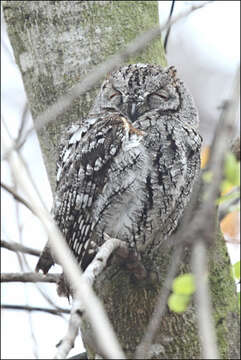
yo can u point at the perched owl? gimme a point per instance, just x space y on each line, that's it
129 168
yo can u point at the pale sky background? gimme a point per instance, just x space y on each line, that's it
205 49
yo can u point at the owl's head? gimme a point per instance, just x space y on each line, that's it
138 89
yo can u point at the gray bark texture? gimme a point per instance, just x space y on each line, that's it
55 44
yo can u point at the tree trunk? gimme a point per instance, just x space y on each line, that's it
55 43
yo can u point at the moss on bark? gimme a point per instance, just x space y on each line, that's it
56 43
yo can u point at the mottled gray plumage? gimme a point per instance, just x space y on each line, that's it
129 168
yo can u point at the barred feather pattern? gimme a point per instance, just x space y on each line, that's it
129 168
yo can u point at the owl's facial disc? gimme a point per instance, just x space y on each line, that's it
138 89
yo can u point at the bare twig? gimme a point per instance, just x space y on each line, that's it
35 308
23 122
67 343
219 148
202 297
102 329
93 270
228 205
16 196
99 262
24 263
29 277
201 217
222 141
95 75
14 246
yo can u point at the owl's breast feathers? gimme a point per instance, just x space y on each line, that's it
129 168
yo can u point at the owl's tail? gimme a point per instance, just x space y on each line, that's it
45 261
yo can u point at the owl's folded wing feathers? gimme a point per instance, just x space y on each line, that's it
85 157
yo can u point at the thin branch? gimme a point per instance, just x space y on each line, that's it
67 343
16 196
14 246
35 308
23 122
202 297
99 262
204 215
220 145
95 75
204 236
103 329
227 206
29 277
93 270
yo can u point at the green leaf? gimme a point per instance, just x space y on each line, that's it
178 303
226 186
232 169
236 269
228 197
184 284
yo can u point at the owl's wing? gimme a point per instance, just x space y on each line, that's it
85 158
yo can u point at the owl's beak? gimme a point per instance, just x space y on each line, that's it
132 111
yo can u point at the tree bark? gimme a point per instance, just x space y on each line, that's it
55 43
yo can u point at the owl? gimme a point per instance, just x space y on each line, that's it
128 169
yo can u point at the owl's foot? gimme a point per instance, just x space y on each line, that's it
131 260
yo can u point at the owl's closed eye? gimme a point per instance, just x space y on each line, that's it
134 93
